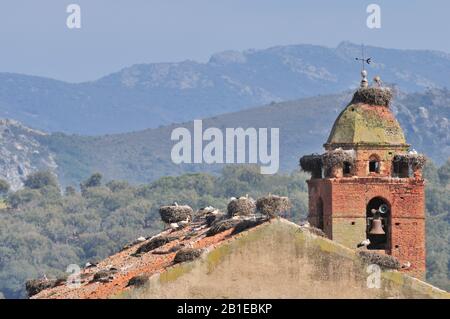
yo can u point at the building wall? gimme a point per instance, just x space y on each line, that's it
345 201
280 260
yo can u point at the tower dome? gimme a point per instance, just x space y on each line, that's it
367 121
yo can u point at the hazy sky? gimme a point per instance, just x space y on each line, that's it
118 33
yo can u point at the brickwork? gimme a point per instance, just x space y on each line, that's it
344 202
339 202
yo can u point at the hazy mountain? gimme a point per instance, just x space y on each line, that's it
150 95
144 156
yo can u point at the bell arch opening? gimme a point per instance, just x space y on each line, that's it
347 168
320 219
378 220
374 164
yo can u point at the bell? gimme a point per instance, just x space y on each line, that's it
383 208
376 228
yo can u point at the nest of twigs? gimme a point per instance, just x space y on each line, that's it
311 163
337 157
187 254
212 218
35 286
104 275
241 207
221 226
175 213
384 261
414 160
273 205
153 244
138 281
373 96
246 224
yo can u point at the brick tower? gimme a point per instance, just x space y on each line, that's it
367 184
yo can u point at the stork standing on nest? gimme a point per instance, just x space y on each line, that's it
364 243
378 81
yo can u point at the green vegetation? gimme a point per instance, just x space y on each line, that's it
4 187
40 180
43 231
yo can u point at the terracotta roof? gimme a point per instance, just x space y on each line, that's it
129 265
313 266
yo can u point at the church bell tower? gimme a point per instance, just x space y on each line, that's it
368 185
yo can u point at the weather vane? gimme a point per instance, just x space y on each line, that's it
364 82
363 59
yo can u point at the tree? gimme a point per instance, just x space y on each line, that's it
444 173
94 180
70 191
4 187
40 179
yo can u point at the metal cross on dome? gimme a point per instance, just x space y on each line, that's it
363 59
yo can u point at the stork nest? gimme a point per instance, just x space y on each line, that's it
221 226
336 157
246 224
175 214
35 286
414 160
311 163
138 281
210 219
104 275
187 254
241 207
384 261
153 244
373 96
273 205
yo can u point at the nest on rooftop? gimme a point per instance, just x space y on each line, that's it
187 254
154 243
384 261
273 205
138 281
337 157
246 224
104 275
212 218
35 286
416 161
175 213
311 163
221 225
373 96
241 207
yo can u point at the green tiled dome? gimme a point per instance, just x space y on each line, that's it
364 123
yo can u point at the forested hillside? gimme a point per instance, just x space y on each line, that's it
43 231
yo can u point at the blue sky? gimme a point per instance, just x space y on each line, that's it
118 33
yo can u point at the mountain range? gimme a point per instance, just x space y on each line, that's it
143 156
152 95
